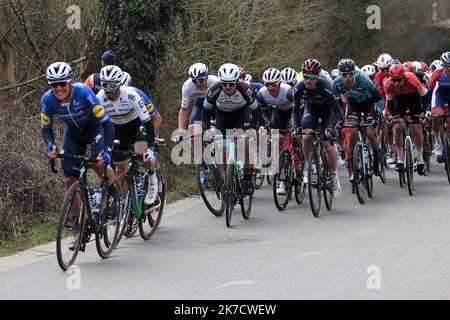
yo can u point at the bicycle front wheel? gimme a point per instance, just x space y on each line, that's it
126 202
106 237
446 139
70 227
409 166
283 177
327 186
314 184
230 187
360 174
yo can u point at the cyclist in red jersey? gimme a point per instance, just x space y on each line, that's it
404 90
384 62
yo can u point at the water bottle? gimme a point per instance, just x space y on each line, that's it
95 199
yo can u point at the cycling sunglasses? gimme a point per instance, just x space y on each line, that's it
229 84
310 77
346 74
272 84
198 81
61 84
397 80
110 85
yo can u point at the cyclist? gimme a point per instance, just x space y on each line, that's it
233 100
93 81
416 68
289 76
440 92
384 62
151 108
317 94
404 90
279 96
196 87
132 124
362 96
370 72
85 123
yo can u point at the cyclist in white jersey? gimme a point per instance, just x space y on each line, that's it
132 124
196 87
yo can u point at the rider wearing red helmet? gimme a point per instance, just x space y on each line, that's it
404 90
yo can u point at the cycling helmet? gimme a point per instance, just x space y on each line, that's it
369 70
288 75
346 65
445 58
416 66
311 66
111 73
109 58
198 71
409 66
437 64
58 71
424 66
272 75
397 71
385 61
334 73
126 79
248 78
228 72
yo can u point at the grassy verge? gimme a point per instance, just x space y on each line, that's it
38 231
35 232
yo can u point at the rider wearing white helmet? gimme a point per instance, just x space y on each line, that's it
195 88
334 74
289 76
370 71
234 102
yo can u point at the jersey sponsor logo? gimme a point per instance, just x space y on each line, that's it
45 120
98 111
150 108
132 97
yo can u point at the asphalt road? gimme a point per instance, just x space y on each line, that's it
394 247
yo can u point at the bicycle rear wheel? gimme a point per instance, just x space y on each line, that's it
283 176
369 172
314 184
409 166
210 189
67 226
245 201
106 237
360 174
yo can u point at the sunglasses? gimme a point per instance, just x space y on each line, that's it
198 81
310 77
110 85
61 84
396 80
347 74
227 84
272 84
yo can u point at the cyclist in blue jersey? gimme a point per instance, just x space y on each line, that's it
93 81
362 96
151 108
319 103
85 123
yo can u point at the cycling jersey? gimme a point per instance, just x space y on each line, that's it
380 79
243 97
94 82
190 90
362 89
82 113
319 102
128 106
440 90
151 108
410 85
283 101
86 122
